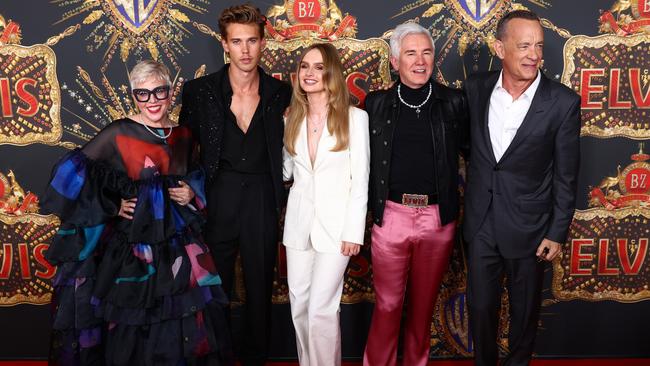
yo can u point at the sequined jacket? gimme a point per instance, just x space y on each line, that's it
204 111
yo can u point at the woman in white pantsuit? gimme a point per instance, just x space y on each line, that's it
327 154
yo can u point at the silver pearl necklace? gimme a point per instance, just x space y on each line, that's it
416 107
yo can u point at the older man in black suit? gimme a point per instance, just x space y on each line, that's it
521 186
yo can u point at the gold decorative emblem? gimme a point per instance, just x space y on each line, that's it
477 13
156 26
13 199
24 272
611 75
130 30
134 15
309 19
10 32
306 11
608 243
30 99
630 187
626 17
465 25
605 257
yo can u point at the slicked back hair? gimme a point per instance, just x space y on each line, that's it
515 14
403 30
241 14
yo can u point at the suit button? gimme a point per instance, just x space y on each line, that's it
377 221
374 131
382 181
385 143
388 122
490 190
381 201
384 162
243 159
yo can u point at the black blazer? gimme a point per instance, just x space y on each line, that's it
449 135
532 189
204 110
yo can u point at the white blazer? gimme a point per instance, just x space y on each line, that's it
329 201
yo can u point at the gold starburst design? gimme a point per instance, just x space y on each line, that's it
463 26
127 28
122 31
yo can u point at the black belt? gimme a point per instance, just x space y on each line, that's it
399 197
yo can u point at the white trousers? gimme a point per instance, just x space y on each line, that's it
315 287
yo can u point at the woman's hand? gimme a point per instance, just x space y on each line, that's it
127 207
350 249
182 194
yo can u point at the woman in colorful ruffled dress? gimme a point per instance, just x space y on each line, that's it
135 285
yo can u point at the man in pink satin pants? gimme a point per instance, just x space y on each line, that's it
417 128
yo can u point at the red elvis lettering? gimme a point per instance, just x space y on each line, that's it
583 254
26 90
43 270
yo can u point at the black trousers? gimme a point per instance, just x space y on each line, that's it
524 278
243 220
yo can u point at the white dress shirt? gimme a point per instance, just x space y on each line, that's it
506 115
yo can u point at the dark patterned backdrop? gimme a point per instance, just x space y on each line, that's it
63 76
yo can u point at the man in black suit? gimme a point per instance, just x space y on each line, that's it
521 186
236 114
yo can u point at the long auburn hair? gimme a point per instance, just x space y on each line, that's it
338 117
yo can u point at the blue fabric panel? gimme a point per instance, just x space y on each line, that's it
157 200
196 180
70 177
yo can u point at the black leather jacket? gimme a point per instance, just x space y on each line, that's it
203 111
449 133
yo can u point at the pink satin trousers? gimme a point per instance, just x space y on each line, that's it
409 251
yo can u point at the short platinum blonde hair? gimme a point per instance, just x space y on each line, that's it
149 69
404 30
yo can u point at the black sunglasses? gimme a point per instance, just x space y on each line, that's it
143 95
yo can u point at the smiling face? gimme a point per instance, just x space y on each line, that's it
153 111
311 73
521 50
244 46
415 60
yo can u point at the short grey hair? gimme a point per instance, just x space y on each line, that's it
404 30
147 69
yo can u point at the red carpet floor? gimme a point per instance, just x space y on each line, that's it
566 362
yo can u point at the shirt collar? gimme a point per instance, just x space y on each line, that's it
530 91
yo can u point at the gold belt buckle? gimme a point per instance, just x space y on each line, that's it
415 200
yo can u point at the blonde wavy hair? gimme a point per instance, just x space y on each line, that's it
338 118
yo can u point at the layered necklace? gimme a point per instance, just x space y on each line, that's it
416 107
162 137
316 126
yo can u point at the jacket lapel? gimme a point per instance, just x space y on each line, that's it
484 99
325 143
302 146
542 102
